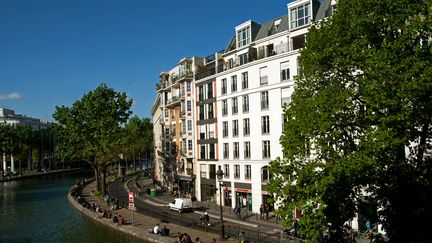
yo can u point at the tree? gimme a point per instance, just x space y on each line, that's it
138 138
358 129
90 130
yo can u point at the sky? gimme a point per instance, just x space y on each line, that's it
52 52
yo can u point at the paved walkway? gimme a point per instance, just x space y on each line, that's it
140 184
141 222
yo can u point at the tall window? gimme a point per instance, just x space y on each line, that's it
212 151
245 80
188 86
265 124
225 129
300 15
201 112
234 83
285 72
226 171
209 90
243 37
234 105
189 105
235 128
236 171
210 111
190 145
246 128
247 151
266 149
203 171
264 174
264 100
224 86
245 104
189 125
236 149
263 75
224 107
247 171
226 151
286 95
212 171
244 58
202 152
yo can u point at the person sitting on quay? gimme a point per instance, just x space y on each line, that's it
115 219
164 231
121 220
156 229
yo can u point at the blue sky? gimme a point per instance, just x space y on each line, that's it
52 52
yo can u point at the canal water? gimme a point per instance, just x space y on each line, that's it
37 210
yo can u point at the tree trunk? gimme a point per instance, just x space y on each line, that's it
96 174
103 176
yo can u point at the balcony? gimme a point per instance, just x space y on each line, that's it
174 101
205 74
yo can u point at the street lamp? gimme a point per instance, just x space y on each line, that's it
219 174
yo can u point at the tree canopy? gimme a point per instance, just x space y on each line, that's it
358 128
90 130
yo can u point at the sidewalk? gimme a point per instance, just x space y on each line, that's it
141 222
140 185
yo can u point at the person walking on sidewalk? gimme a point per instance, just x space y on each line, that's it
237 211
261 212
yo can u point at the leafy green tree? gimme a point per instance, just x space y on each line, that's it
358 129
138 141
90 130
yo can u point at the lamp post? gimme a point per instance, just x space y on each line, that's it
219 174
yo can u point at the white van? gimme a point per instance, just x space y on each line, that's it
181 204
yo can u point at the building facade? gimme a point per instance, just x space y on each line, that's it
239 97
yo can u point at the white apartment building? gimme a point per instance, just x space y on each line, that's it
238 100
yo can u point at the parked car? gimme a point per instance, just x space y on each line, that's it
181 205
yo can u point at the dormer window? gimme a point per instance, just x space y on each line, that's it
244 37
300 15
277 23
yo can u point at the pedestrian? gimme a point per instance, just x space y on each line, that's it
261 212
213 240
237 211
267 211
197 240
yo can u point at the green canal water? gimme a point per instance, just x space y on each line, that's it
37 210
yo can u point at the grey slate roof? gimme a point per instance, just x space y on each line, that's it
269 29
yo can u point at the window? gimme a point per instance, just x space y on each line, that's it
265 124
285 72
265 174
236 149
234 83
226 171
247 172
189 125
224 107
244 58
201 93
300 15
202 130
189 105
247 153
210 111
226 151
286 95
211 130
246 128
245 104
243 37
188 86
212 172
263 75
234 106
189 145
211 151
166 113
235 128
202 152
225 129
266 149
264 100
245 80
209 90
236 171
201 112
203 171
224 86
